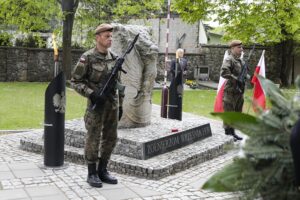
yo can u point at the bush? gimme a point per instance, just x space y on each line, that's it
31 41
77 46
5 39
266 168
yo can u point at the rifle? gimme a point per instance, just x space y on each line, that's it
111 81
241 80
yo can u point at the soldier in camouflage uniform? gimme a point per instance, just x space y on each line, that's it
89 75
233 99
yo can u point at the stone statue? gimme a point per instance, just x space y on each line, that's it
140 65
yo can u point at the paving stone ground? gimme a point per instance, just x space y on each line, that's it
23 176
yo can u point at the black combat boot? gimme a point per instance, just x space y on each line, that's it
103 173
231 131
235 136
93 178
228 131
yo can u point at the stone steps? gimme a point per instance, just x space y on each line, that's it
198 139
153 168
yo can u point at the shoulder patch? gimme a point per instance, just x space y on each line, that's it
83 59
227 58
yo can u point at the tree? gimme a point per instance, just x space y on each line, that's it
274 22
193 10
69 8
27 15
126 10
91 13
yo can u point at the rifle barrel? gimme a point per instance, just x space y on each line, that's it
131 45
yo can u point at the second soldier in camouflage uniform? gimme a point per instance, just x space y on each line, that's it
89 75
233 98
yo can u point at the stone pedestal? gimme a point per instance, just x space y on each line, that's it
153 151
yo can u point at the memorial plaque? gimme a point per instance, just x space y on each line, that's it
175 141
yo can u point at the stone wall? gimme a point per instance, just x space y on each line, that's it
28 64
211 56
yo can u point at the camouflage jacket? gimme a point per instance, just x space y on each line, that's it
230 70
91 73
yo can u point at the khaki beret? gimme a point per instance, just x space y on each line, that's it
234 43
102 28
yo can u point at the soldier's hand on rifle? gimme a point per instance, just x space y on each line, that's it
240 82
240 85
97 98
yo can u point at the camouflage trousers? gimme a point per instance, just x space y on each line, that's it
232 102
101 134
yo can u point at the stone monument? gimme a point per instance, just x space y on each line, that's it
140 65
148 145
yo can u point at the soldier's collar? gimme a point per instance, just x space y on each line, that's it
102 56
236 57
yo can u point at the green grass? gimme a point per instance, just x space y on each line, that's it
201 102
22 105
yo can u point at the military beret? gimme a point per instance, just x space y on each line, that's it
234 43
102 28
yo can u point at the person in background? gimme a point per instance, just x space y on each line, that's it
233 98
182 63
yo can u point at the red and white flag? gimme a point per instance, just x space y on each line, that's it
259 97
222 81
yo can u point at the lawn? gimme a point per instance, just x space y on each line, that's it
200 102
22 104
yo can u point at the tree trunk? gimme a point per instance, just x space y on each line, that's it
69 8
287 62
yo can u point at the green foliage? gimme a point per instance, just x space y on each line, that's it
29 15
32 41
266 169
263 22
94 12
5 39
200 102
192 10
76 46
129 9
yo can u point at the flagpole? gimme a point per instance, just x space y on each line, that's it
165 92
167 42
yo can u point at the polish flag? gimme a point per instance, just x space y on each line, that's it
259 97
222 81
